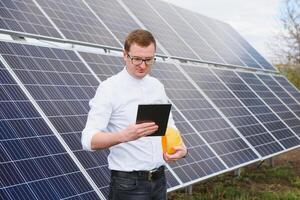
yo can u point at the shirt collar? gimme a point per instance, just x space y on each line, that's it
127 76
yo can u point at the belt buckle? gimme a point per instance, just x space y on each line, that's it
150 174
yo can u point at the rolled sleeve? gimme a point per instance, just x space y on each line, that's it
98 116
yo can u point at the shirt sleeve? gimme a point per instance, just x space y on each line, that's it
98 116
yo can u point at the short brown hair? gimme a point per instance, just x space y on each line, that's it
141 37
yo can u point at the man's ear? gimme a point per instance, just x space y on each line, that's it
124 55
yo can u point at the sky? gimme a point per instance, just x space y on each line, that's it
256 20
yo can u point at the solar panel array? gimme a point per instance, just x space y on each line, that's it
34 164
25 17
228 117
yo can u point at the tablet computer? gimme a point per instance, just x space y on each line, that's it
158 113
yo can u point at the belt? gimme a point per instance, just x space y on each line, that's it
143 175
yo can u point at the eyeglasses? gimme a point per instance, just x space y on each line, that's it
139 60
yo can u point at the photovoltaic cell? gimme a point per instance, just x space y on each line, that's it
281 93
205 119
34 164
62 86
102 65
164 34
106 66
237 48
270 99
234 110
186 32
261 60
77 22
258 108
115 17
201 161
25 16
283 82
207 34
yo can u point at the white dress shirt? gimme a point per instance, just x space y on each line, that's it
113 108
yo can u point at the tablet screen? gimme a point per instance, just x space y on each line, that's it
158 113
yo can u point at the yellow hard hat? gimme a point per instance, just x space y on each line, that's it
171 139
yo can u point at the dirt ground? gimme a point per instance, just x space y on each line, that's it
292 157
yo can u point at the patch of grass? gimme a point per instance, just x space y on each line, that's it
264 183
268 195
296 182
281 172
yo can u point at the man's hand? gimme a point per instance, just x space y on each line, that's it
180 152
136 131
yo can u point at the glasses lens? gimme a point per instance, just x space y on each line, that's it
150 61
139 61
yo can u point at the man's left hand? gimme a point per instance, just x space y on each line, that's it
180 152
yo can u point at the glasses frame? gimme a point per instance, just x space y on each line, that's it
134 60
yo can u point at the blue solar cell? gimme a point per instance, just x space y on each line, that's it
164 34
199 154
115 17
25 16
231 43
172 181
273 101
209 36
234 110
254 54
33 155
22 192
202 115
291 89
258 108
77 22
205 119
201 47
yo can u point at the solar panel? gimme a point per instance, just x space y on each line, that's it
292 90
209 36
270 99
102 65
62 86
281 93
34 164
258 108
259 58
201 162
237 48
77 22
227 144
25 17
264 143
115 17
164 34
190 36
228 118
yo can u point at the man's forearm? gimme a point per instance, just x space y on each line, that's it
103 140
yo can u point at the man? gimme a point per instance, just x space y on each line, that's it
136 162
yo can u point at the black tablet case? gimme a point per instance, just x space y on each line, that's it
158 113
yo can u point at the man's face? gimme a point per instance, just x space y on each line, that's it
137 58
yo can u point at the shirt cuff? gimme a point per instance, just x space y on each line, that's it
86 139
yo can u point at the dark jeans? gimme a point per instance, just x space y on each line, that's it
135 188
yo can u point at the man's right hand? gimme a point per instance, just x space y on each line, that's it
136 131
